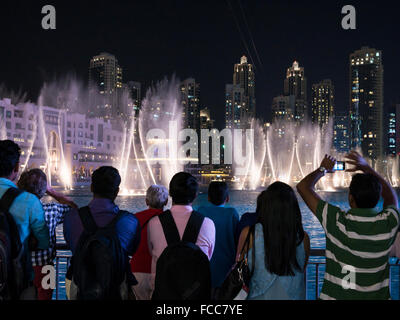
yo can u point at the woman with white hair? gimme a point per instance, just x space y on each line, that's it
156 200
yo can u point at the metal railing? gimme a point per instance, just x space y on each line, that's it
314 253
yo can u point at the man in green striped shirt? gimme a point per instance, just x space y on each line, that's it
358 242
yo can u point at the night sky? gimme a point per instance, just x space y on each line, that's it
201 39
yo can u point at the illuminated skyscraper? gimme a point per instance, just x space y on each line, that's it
391 132
366 101
190 94
105 84
392 129
135 94
244 78
323 101
190 99
235 104
283 108
296 84
341 133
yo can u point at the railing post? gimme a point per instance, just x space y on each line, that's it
317 281
57 278
305 276
397 263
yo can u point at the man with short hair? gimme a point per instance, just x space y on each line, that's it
358 242
226 221
156 200
105 188
183 190
26 209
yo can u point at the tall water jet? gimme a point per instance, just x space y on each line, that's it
256 147
159 121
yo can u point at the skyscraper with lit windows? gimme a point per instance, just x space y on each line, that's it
323 101
295 84
105 85
366 101
341 133
240 96
283 108
190 97
234 106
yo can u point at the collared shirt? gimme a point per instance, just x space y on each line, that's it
181 214
103 212
358 244
28 214
54 215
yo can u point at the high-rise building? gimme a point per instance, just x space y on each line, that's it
190 93
206 123
296 84
244 77
323 102
135 95
397 110
392 129
235 103
391 132
366 101
105 84
341 133
283 108
190 99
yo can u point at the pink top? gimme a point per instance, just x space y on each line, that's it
181 214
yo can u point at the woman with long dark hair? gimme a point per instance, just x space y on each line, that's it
281 247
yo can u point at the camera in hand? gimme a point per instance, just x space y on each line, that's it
339 166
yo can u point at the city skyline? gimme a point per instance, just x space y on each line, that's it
152 49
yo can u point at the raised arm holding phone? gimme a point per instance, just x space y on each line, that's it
358 241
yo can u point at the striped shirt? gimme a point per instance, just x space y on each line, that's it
54 214
357 251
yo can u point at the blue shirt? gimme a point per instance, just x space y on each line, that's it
268 286
28 214
223 258
103 212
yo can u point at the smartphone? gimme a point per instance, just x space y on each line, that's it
339 166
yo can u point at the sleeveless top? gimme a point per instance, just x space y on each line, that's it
268 286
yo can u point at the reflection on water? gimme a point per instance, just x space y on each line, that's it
243 201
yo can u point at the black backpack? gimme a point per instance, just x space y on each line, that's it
183 270
13 278
100 264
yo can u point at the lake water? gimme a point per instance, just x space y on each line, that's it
243 201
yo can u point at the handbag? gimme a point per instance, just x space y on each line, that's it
236 284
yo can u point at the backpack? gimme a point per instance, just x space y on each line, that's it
13 278
100 264
182 270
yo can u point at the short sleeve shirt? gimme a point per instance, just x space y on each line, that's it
358 243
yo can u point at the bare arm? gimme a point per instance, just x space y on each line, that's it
61 198
306 187
242 240
360 164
